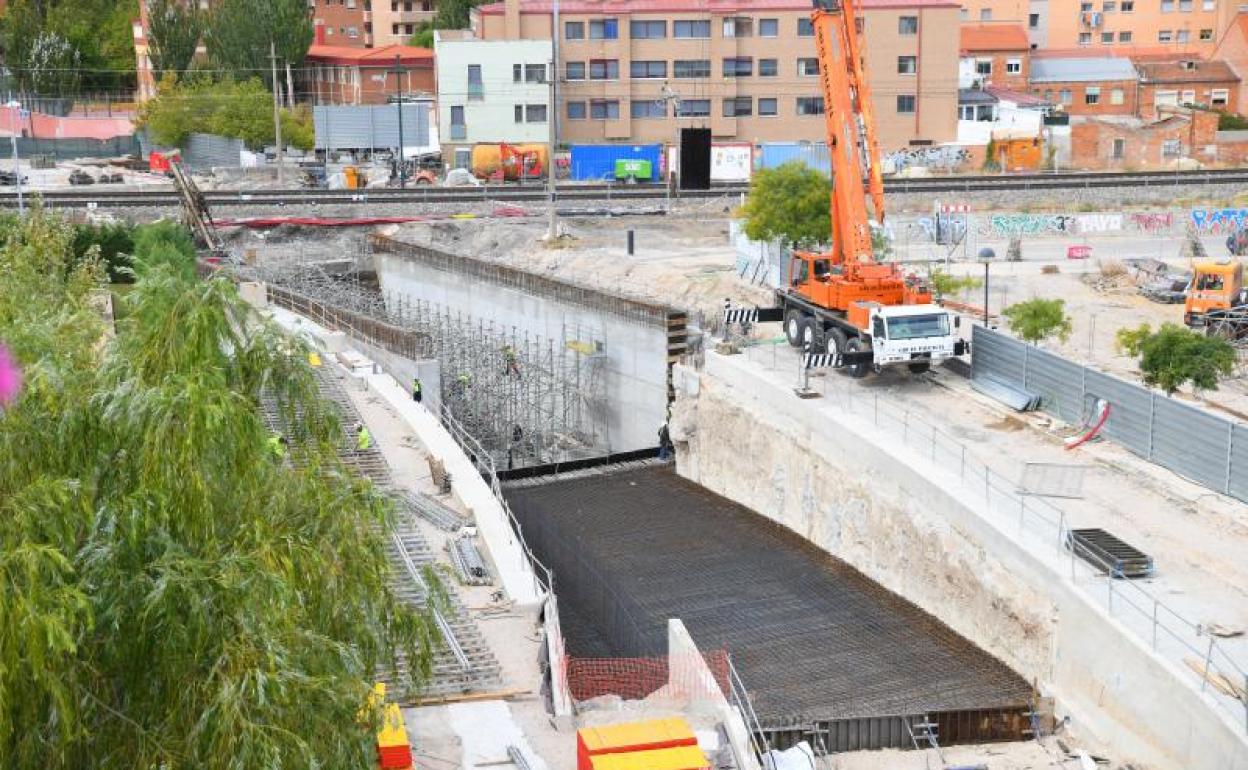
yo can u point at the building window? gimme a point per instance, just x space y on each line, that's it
647 30
1085 38
574 30
604 109
1126 6
1120 149
574 70
519 113
805 28
1124 37
648 109
576 110
694 108
768 27
517 71
768 68
808 67
907 65
905 103
1219 97
738 67
907 25
739 107
695 29
691 68
476 89
963 14
1165 36
1208 5
1182 36
1185 6
1064 96
985 14
1166 99
738 26
604 29
1189 97
604 69
457 115
1170 149
1107 38
1013 66
1167 6
983 66
810 105
767 107
1092 95
1117 96
966 112
1206 34
535 73
1085 8
647 69
1033 21
353 32
1109 6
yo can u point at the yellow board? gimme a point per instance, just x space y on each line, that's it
607 737
679 758
314 358
393 730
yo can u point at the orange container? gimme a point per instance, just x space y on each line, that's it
679 758
631 737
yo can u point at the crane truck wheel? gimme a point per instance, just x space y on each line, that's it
857 371
793 326
837 339
920 368
808 335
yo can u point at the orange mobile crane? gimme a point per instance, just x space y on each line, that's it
845 301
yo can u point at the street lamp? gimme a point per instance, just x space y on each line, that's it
16 107
986 255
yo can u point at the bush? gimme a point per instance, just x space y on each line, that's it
239 109
1038 319
164 243
944 284
1173 356
116 243
1229 121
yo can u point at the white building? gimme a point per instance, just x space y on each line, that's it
490 91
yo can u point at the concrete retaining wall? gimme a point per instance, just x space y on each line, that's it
912 527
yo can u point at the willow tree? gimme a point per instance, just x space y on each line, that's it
173 597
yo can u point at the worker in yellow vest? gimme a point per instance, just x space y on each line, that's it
363 439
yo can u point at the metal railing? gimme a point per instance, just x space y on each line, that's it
1038 521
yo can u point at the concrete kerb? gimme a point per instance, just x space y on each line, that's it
1111 684
515 574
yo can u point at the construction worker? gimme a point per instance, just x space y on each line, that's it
416 394
510 365
277 444
461 384
363 439
665 443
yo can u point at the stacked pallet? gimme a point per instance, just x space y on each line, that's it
659 744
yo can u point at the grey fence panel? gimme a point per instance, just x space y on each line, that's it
1191 442
1057 381
1200 445
204 151
370 126
68 149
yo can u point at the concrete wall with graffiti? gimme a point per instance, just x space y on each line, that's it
950 228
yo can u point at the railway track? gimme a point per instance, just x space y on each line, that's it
99 197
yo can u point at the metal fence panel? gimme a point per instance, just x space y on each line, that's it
1130 410
370 126
204 151
994 355
1057 381
1191 442
1238 487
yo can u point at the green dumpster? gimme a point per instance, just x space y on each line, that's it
632 168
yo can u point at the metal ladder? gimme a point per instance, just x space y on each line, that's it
923 735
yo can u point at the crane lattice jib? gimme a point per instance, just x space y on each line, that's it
852 146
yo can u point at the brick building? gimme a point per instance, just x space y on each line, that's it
747 71
1169 83
1233 50
1098 87
1184 136
347 75
343 23
994 55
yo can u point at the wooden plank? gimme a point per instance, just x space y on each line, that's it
1220 682
470 697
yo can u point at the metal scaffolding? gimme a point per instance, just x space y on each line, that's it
528 399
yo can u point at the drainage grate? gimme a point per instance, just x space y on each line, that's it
1106 552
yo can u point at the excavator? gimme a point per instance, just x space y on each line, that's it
868 314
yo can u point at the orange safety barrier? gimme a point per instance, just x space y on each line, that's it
629 737
679 758
634 678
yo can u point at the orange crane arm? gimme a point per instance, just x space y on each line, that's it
852 145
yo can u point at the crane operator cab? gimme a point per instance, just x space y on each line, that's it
1215 286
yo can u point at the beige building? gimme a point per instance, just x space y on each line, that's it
637 70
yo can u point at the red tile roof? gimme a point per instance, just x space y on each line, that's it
994 37
1172 72
371 57
623 7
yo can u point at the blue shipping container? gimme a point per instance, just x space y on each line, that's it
596 162
814 155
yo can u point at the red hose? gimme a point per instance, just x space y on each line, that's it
1095 429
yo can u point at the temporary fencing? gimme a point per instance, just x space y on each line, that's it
638 678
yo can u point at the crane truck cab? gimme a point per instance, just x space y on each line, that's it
1216 286
914 335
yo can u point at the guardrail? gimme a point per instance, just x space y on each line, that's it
1044 523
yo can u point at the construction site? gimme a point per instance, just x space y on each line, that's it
698 501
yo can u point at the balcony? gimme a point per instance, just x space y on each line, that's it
1091 19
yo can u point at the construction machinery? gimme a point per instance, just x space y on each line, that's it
1217 300
869 314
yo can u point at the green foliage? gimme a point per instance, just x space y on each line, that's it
174 29
789 203
1038 319
990 157
453 14
881 243
1229 121
1174 355
239 34
239 109
1129 341
92 36
945 284
115 244
164 243
173 597
424 35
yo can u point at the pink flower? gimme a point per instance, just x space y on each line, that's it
10 377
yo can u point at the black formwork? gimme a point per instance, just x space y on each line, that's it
818 645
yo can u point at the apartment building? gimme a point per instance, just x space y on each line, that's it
1099 87
637 70
343 23
1169 83
994 55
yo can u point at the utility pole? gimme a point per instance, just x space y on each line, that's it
398 90
290 88
552 116
277 110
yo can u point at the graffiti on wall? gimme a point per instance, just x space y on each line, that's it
1028 224
1219 220
943 228
1152 222
927 157
1039 224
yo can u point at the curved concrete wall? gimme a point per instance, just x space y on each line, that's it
911 526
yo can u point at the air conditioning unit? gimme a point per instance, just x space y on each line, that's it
1187 64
